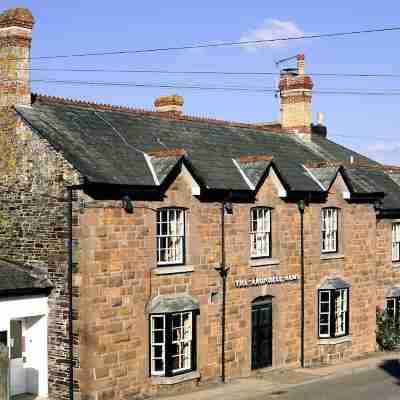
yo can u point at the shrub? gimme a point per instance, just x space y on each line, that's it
387 332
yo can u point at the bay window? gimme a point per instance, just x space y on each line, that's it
173 343
396 241
333 318
260 232
170 236
329 230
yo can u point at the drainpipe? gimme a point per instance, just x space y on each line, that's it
301 205
223 272
70 297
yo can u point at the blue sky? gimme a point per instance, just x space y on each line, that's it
365 123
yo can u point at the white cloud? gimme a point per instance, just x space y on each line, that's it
388 153
271 29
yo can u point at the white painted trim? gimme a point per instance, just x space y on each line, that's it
191 181
314 178
246 179
152 170
281 189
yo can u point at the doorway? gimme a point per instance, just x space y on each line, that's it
261 332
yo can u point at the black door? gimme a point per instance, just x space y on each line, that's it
261 349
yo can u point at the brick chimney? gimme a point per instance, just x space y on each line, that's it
170 104
295 94
16 26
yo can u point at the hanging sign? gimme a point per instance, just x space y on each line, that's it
245 283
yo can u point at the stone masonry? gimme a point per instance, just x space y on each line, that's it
116 277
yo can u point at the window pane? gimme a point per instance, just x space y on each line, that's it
324 307
324 318
329 229
170 236
323 329
158 351
158 365
158 322
324 296
260 228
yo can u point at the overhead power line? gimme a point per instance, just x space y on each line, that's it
228 73
221 44
392 92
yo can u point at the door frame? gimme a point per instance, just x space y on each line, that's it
257 303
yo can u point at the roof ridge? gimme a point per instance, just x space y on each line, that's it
167 115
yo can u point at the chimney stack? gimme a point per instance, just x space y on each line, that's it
295 95
169 104
16 26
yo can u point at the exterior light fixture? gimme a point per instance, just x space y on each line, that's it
127 204
228 207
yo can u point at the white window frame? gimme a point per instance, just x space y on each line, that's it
329 230
337 309
340 317
183 341
174 237
260 237
396 241
153 344
324 313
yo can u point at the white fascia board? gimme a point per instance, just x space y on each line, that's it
314 178
278 184
151 168
346 192
244 176
188 177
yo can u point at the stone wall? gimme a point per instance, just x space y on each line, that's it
120 277
33 227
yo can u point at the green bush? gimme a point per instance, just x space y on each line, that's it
387 332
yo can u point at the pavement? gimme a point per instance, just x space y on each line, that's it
368 375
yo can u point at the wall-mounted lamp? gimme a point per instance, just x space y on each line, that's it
228 207
377 205
127 204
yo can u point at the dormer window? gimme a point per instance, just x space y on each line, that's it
329 230
260 232
170 236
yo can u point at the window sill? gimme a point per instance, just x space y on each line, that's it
263 262
342 339
172 380
396 264
175 269
332 256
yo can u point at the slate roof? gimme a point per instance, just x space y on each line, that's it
17 279
115 146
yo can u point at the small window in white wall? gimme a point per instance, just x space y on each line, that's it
260 232
170 236
396 241
329 230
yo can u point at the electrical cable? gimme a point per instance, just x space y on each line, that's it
220 44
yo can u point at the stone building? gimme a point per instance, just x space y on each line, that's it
145 206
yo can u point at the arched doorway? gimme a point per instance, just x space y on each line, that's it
261 332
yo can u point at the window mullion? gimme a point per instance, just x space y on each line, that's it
332 314
168 345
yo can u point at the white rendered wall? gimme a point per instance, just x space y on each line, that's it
33 311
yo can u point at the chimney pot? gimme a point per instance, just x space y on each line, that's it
172 104
295 97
